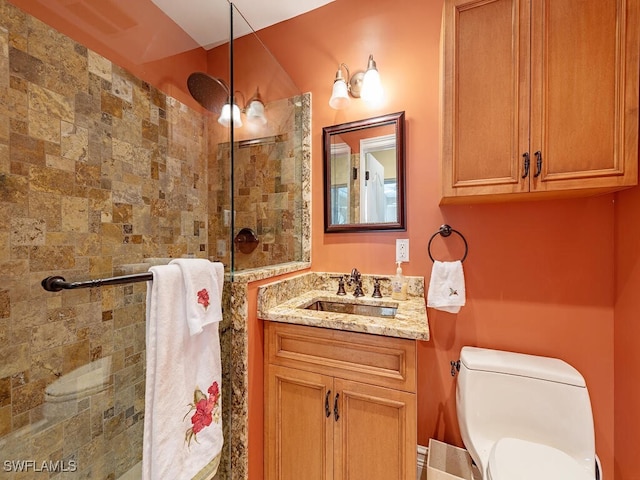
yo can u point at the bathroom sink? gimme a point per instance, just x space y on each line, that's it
353 308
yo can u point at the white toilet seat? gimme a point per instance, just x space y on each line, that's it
515 459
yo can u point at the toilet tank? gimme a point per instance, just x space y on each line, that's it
503 394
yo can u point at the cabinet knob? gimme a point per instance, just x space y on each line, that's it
527 162
336 414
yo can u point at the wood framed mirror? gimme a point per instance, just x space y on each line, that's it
364 184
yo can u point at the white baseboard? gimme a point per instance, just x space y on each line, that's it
422 462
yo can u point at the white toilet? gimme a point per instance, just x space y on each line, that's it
525 417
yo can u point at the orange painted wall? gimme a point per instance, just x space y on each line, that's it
540 275
255 346
627 335
255 334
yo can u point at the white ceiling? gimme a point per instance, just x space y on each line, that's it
207 21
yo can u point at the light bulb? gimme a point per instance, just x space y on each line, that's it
255 112
340 95
225 115
371 85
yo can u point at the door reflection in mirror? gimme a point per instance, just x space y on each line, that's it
340 183
378 184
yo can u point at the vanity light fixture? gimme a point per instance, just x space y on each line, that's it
365 85
253 110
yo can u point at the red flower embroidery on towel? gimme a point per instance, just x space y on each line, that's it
214 391
202 418
207 410
203 298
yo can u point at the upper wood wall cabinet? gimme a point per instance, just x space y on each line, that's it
540 98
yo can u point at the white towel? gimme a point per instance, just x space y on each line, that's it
203 284
446 287
183 405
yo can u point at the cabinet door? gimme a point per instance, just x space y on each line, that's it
298 432
375 433
584 93
486 97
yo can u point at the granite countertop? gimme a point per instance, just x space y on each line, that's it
284 301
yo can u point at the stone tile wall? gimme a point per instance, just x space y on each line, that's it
270 165
98 170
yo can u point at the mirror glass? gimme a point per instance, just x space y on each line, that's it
364 175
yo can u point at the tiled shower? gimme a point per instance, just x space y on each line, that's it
102 174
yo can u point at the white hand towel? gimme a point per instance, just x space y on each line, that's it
183 402
446 287
203 282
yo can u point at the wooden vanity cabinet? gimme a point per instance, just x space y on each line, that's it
551 81
338 405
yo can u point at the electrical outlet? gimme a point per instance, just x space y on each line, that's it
402 250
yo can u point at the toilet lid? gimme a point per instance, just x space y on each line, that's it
514 459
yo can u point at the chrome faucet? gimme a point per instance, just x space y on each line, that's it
356 279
